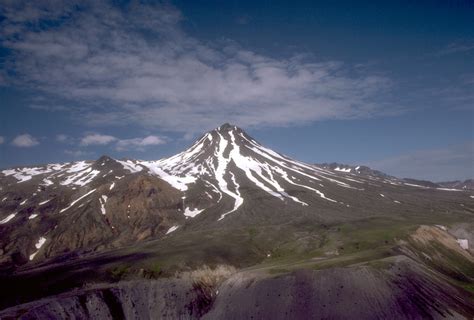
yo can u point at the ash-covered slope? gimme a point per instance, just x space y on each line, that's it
226 179
404 285
404 291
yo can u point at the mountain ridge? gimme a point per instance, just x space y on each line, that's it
224 175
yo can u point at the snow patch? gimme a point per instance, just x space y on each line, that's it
47 182
87 179
103 201
130 166
415 185
238 202
464 243
173 228
448 189
192 213
38 246
75 201
78 166
25 174
220 170
8 218
175 181
44 202
34 215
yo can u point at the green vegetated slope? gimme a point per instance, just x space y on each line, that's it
422 261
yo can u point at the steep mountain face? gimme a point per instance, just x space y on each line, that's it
226 179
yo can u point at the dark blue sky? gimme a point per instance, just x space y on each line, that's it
388 84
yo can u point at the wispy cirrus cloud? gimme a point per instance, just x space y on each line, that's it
48 107
137 66
96 140
139 143
2 140
455 47
25 141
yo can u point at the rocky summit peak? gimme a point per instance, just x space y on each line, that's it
104 158
227 127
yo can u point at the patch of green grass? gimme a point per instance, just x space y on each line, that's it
366 241
155 267
367 235
368 256
152 270
119 272
374 258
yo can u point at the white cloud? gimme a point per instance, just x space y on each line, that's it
453 162
139 143
25 141
96 139
2 140
63 138
139 67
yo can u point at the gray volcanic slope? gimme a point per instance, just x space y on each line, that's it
228 200
403 290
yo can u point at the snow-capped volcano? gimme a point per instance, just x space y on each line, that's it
227 159
226 179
